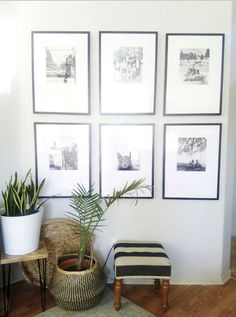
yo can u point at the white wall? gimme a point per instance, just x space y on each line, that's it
10 106
233 109
195 233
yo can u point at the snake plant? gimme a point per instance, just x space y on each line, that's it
21 197
89 209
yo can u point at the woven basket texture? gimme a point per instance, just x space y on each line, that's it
61 236
78 290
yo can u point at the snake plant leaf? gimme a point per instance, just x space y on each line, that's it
5 199
26 176
21 198
33 197
17 199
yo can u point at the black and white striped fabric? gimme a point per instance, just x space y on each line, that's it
141 260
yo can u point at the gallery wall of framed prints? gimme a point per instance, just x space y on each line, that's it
193 86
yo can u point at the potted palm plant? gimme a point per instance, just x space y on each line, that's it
78 280
21 216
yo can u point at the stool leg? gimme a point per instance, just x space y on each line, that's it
165 292
157 283
118 288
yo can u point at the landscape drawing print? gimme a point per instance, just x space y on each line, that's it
191 154
194 65
60 65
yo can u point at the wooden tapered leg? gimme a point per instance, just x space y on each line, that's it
165 292
157 283
118 288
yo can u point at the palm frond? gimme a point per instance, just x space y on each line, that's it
127 191
88 210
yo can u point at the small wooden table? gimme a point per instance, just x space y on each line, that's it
40 255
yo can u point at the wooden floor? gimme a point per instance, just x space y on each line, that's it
188 301
185 301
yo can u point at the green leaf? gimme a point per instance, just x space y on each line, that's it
88 210
20 197
27 175
17 200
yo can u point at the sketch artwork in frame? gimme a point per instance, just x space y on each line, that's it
62 156
60 72
193 74
191 161
126 154
128 66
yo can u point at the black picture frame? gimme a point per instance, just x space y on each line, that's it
127 72
194 64
126 154
61 72
191 161
62 156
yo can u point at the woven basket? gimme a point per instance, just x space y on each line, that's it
61 236
77 290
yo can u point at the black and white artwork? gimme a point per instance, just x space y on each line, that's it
61 65
193 74
128 162
194 65
60 72
191 154
62 153
191 161
128 67
126 154
127 64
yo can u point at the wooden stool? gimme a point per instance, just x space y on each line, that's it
141 260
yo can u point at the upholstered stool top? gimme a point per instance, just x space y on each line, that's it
141 260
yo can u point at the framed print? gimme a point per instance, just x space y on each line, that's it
191 161
126 154
62 155
193 74
128 64
60 72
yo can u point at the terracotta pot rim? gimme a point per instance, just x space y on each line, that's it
86 271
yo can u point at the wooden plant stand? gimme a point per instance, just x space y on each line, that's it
40 255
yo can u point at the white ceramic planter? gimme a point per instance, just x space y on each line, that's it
21 234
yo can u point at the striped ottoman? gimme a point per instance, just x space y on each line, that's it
141 260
